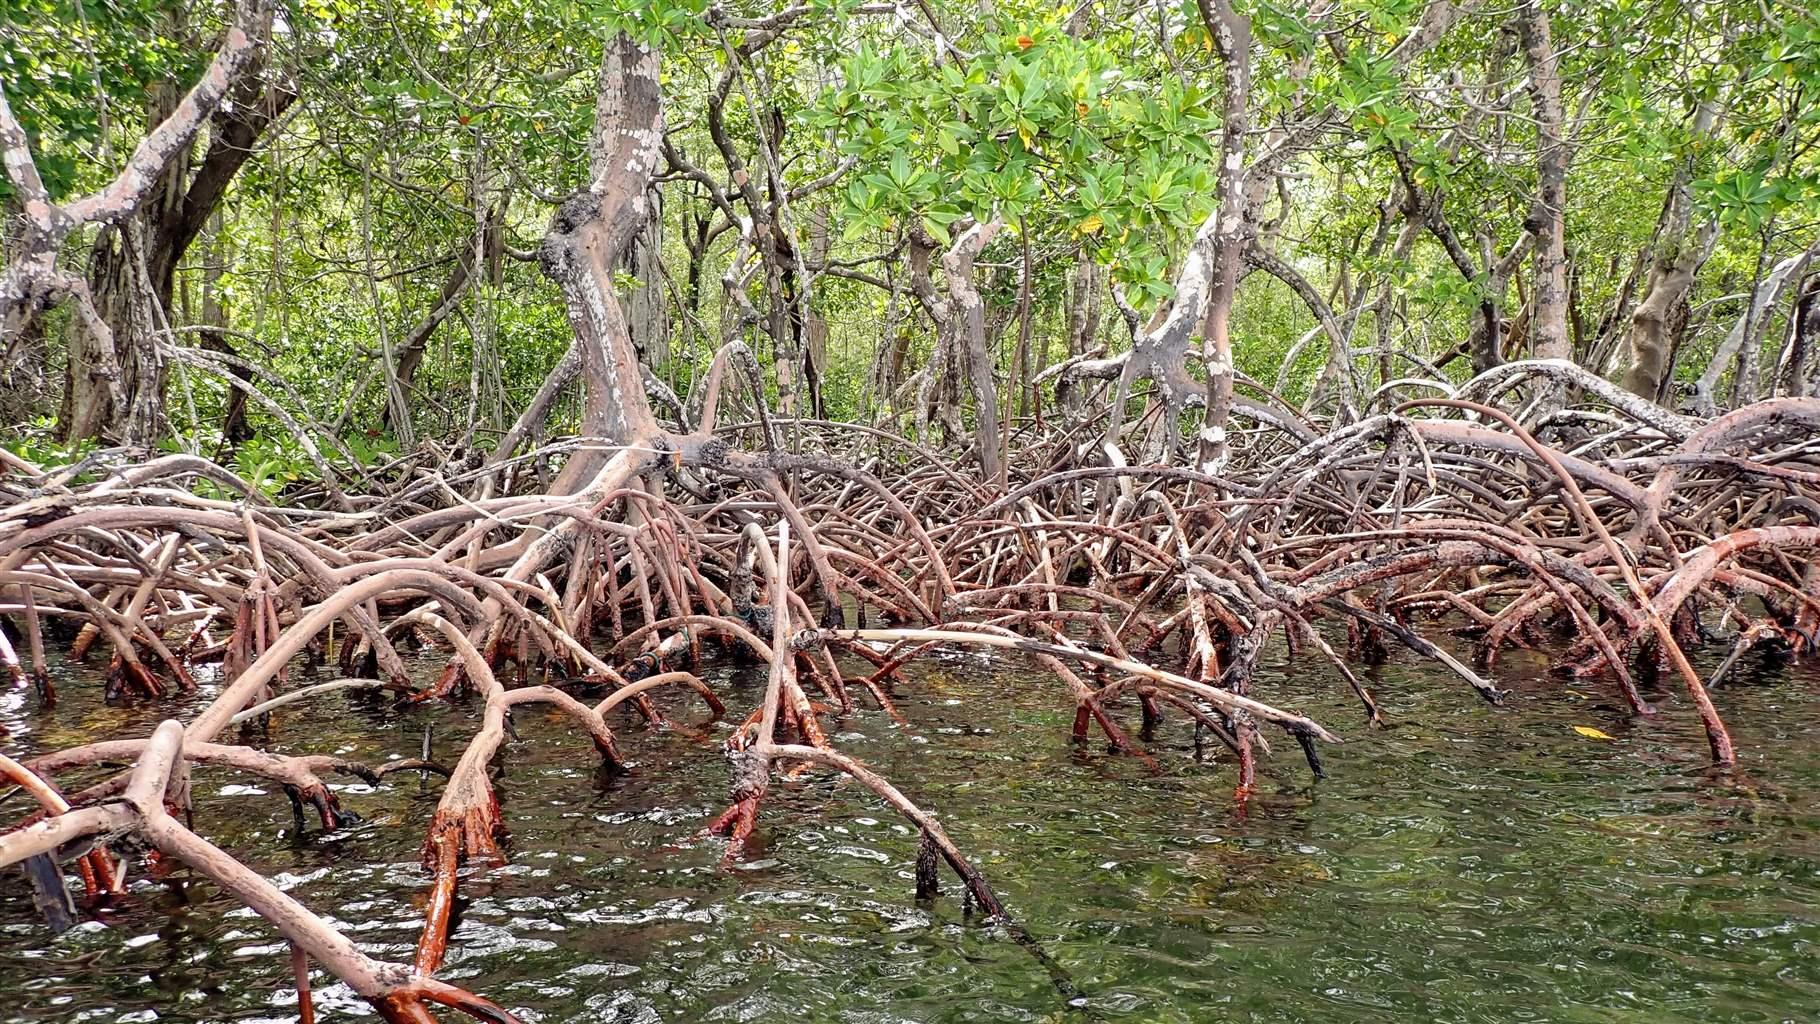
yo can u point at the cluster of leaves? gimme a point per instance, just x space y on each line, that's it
37 442
1759 74
1038 125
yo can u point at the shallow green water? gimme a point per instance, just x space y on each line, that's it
1465 864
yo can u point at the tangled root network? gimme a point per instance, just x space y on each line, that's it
1533 498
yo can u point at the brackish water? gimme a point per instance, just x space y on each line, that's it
1467 863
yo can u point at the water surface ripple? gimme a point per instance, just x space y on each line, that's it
1465 864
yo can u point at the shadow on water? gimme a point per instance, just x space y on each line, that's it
1465 863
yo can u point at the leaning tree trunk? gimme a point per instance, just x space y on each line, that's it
120 280
1656 323
1675 260
1746 334
587 239
1485 340
31 280
133 267
785 288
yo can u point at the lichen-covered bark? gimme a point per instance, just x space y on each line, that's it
1548 218
1676 256
967 322
587 238
1232 38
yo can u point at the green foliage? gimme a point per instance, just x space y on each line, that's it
37 442
1038 124
268 463
1083 129
73 70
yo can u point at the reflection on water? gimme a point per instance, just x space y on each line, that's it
1464 864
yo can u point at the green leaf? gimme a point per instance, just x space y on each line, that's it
1090 189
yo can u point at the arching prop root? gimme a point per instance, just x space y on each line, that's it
753 764
1142 589
398 993
467 818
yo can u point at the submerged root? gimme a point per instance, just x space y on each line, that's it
397 992
1139 590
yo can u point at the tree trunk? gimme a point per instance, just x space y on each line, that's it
1652 338
1548 219
133 266
23 360
695 239
1021 367
587 238
92 385
1085 286
1747 333
815 326
1232 38
961 339
218 255
128 261
647 314
415 345
1675 261
31 281
1804 334
967 324
1336 377
1485 340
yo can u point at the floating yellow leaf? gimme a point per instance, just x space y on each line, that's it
1593 734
